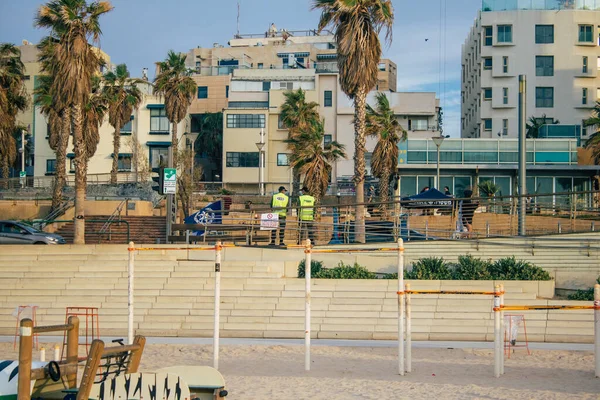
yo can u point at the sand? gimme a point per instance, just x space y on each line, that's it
277 372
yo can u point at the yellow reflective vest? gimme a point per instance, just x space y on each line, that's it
280 200
307 214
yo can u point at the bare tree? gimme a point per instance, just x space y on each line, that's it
140 164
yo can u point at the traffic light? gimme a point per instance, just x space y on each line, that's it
159 180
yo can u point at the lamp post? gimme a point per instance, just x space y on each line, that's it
261 162
438 140
22 151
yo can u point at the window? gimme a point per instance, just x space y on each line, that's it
27 77
583 129
158 120
487 124
544 34
280 123
203 92
159 156
504 127
505 64
283 160
586 34
544 97
198 66
327 139
245 120
266 86
227 91
417 124
328 101
487 62
124 162
487 93
544 65
504 95
71 158
488 36
261 65
584 96
126 129
241 160
504 33
50 167
584 67
381 66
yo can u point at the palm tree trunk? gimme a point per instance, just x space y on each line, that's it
61 159
116 146
360 102
80 175
175 146
5 170
384 187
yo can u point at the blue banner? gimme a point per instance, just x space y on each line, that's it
211 214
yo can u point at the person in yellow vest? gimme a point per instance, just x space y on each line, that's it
279 202
306 215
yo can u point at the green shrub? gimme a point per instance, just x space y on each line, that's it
343 271
470 268
511 269
430 268
315 268
583 295
393 275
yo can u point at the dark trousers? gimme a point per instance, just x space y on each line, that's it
307 231
281 231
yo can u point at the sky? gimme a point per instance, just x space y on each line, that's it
141 32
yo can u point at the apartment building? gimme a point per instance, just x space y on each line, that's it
553 42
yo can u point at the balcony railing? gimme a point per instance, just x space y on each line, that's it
513 5
279 33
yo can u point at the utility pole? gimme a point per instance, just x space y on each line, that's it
522 154
23 173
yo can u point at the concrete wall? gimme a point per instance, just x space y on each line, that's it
24 209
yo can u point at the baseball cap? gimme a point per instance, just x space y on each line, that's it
282 188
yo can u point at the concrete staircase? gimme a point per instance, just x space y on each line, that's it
174 297
142 230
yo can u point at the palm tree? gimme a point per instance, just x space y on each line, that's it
535 124
123 96
210 139
382 123
312 159
356 25
73 22
296 115
178 88
13 99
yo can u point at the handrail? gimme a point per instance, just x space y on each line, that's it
69 202
113 216
46 222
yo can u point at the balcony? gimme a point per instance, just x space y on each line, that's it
514 5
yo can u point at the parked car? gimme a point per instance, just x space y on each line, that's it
12 232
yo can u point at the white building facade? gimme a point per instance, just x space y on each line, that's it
554 43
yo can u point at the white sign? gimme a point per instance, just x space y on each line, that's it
170 181
269 221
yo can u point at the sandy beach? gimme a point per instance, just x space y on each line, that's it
277 372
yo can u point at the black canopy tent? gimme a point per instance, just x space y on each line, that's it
431 198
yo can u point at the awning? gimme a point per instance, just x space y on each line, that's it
283 55
151 106
158 144
122 155
304 54
71 155
332 56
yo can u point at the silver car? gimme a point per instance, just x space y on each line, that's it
12 232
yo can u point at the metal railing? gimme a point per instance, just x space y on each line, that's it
115 214
41 223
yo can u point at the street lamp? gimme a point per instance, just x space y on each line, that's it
438 140
22 151
261 162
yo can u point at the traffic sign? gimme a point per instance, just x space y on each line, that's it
170 181
22 174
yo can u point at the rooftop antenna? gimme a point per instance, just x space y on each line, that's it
238 18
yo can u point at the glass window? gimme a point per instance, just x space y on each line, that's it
564 185
487 124
584 67
50 166
509 157
227 91
450 157
408 185
241 160
505 127
261 65
586 33
544 65
328 100
481 156
126 129
416 157
159 157
158 120
504 95
425 181
245 121
283 160
487 93
266 86
504 183
488 36
584 96
544 97
544 34
280 124
326 139
460 184
417 124
203 92
505 64
504 33
124 162
487 62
